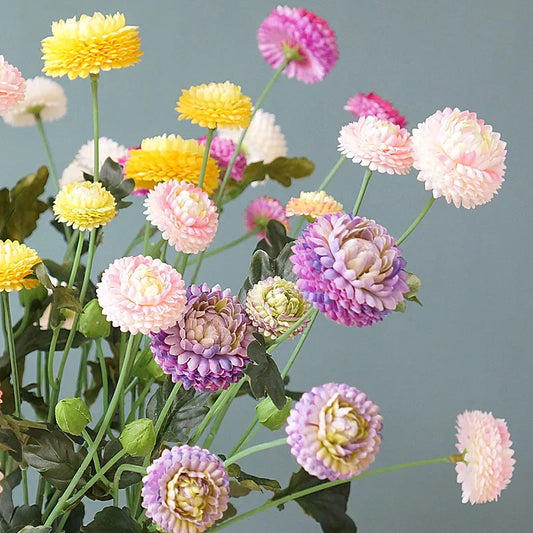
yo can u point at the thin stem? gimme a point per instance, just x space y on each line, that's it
231 244
116 479
146 239
51 166
198 265
8 328
76 261
96 460
26 318
254 449
82 370
362 190
323 486
53 500
332 173
63 521
166 408
417 221
96 128
208 141
140 400
249 432
220 417
291 330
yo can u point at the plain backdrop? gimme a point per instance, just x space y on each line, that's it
469 346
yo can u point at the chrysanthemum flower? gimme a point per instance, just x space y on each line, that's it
296 33
365 105
274 305
16 263
459 157
12 86
334 431
349 268
206 349
184 214
222 150
42 96
215 105
377 144
488 462
89 45
313 205
260 211
170 158
141 294
84 205
185 490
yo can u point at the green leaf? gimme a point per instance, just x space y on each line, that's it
414 284
63 298
38 529
26 515
127 478
327 507
145 367
6 498
113 520
42 275
36 401
248 482
285 169
112 179
74 520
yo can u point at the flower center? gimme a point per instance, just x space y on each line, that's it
188 494
146 283
361 255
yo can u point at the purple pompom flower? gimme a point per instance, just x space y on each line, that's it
334 431
349 268
185 490
206 349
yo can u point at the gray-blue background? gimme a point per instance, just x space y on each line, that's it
467 348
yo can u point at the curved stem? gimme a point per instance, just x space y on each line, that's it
52 168
332 173
166 408
292 329
254 449
231 244
96 128
198 265
220 417
116 479
208 140
417 221
135 405
298 347
76 261
362 190
8 328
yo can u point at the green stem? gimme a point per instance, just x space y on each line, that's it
254 449
332 173
25 493
26 318
208 141
292 329
63 520
139 400
166 408
96 460
40 127
8 328
417 221
198 265
82 370
116 480
323 486
76 261
53 500
103 372
220 417
147 228
257 105
249 432
362 190
231 244
96 128
94 448
72 239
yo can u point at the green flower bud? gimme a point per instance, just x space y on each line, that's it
269 416
72 415
138 438
145 366
93 323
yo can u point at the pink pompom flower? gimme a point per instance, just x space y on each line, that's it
184 214
488 458
302 36
222 150
141 294
12 85
260 211
372 105
377 144
459 157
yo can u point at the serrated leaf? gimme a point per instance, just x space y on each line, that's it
113 520
327 507
249 482
285 169
26 515
113 180
63 298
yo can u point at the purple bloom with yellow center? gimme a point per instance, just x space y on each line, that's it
334 431
206 349
185 490
350 269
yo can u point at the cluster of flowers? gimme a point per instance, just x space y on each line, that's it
348 267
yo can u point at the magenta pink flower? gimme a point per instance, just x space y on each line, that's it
372 105
141 294
122 162
222 150
184 214
296 33
488 462
459 157
260 211
377 144
12 85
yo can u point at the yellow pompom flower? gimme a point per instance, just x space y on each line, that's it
167 158
312 205
16 263
84 205
89 45
215 105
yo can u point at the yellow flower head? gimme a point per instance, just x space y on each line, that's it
312 205
16 263
170 158
84 205
89 45
215 105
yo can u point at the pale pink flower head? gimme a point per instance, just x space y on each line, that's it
372 105
299 34
377 144
141 294
260 211
184 214
12 85
488 462
459 157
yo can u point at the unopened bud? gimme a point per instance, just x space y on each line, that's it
72 415
93 323
138 438
269 415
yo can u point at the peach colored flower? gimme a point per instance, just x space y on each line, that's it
12 85
377 144
488 462
312 205
459 157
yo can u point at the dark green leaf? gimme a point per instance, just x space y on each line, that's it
6 498
254 172
327 507
63 298
112 179
113 520
284 169
230 512
127 478
10 443
249 482
26 515
276 239
42 275
37 402
75 519
38 529
62 273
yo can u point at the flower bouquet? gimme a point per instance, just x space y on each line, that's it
158 356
